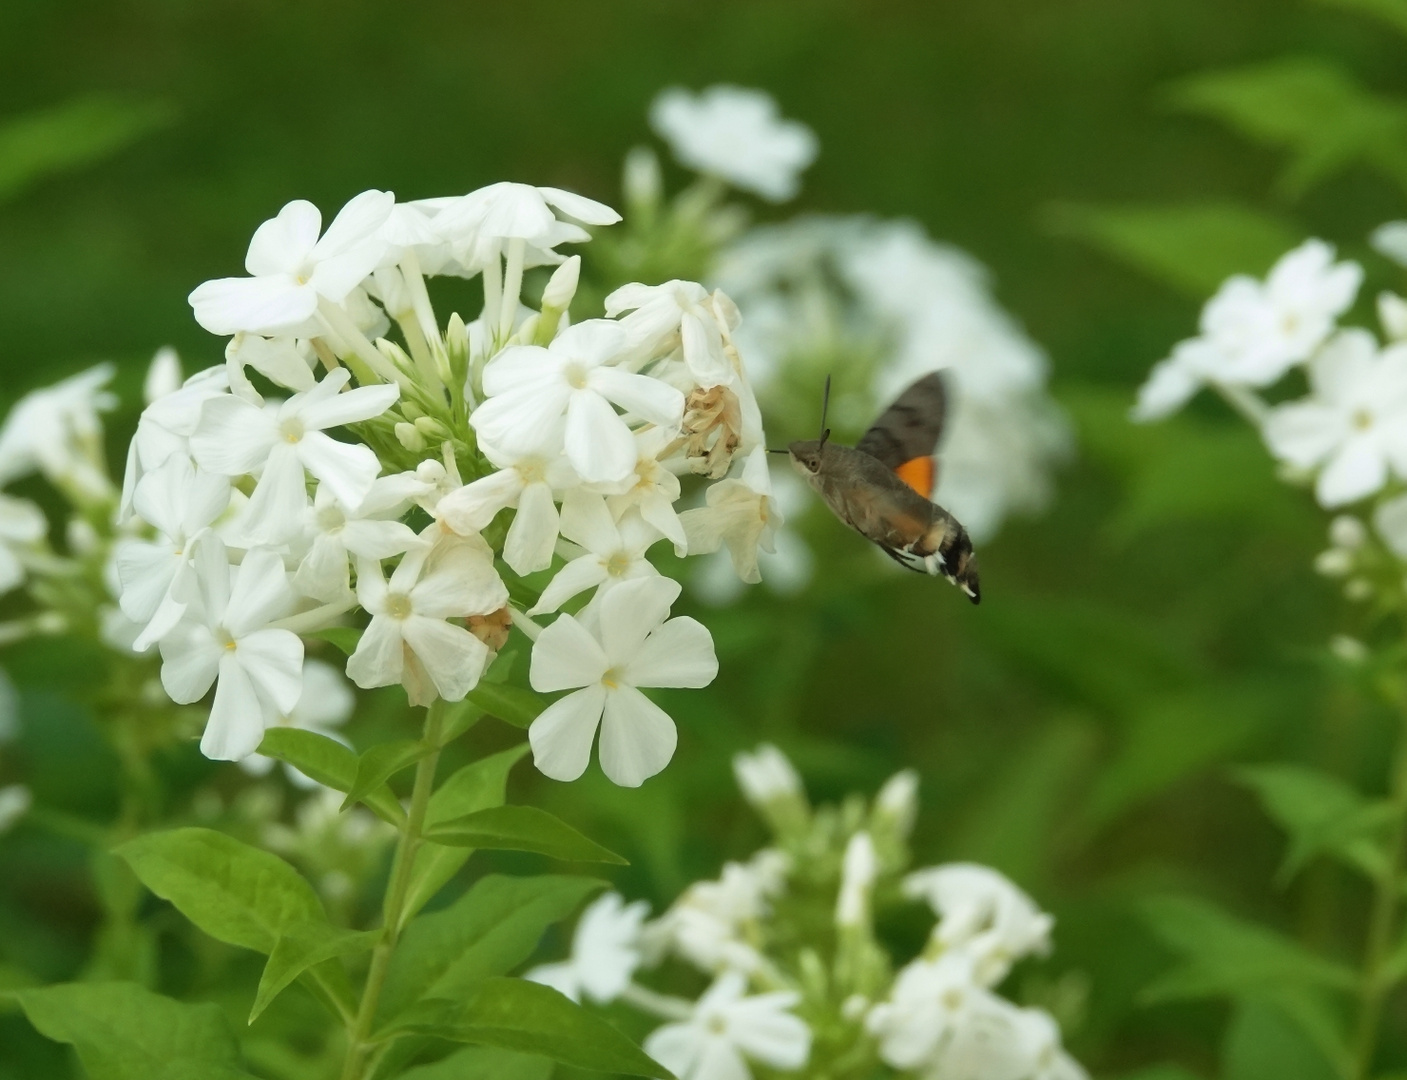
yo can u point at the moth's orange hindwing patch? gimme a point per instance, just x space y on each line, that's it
919 473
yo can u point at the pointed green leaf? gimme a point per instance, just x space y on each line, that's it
380 763
515 1014
511 704
484 1063
301 946
235 893
460 716
1323 816
344 638
522 828
489 930
329 763
1222 956
1193 248
477 786
122 1031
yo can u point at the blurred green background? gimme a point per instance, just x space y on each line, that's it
1157 627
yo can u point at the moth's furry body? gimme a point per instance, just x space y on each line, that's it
879 503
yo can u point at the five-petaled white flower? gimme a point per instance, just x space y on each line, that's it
605 952
562 395
370 531
681 313
236 438
739 512
652 488
737 135
478 224
292 268
630 645
226 635
613 551
1353 423
728 1029
56 431
408 640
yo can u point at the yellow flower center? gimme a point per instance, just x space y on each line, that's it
398 605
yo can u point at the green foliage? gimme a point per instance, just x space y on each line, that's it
1392 12
1313 109
483 1063
1263 1043
1323 816
512 704
300 946
329 762
488 931
1193 248
343 638
69 136
125 1032
521 828
380 763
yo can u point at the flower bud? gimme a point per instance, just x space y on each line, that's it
642 183
1346 531
15 801
1334 563
433 430
1358 590
457 349
163 376
857 876
410 437
897 801
398 356
561 287
1348 649
1392 313
770 783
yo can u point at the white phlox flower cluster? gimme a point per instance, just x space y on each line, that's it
778 995
330 474
1347 438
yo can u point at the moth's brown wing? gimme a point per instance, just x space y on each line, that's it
906 434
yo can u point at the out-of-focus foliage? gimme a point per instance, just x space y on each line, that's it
1100 728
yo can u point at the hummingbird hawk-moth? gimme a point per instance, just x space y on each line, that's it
882 486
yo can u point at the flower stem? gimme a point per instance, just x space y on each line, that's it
1382 924
393 907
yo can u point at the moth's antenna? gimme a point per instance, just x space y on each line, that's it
771 451
825 407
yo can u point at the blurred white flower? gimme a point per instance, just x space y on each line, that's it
605 952
859 868
325 704
225 635
982 913
55 430
1390 240
765 774
372 530
1392 315
632 643
930 999
478 224
180 502
1390 519
563 395
740 513
22 527
15 801
728 1029
408 640
1354 424
708 924
236 438
163 375
165 428
1037 1039
291 268
897 801
612 551
737 135
679 314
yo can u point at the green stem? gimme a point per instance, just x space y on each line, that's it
1382 924
393 908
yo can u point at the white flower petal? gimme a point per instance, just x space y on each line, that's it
274 513
282 244
640 395
273 660
452 656
532 537
379 658
237 717
348 469
637 737
679 653
1358 469
597 441
350 406
190 659
577 576
470 508
233 437
566 656
562 734
259 305
630 611
260 594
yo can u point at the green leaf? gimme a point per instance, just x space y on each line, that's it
122 1031
1323 816
1317 112
522 828
69 136
1264 1042
511 704
1222 956
460 716
515 1014
380 763
235 893
301 946
1193 248
484 1063
488 931
344 638
1392 12
329 763
477 786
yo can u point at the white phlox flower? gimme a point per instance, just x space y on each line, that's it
529 483
236 438
292 268
982 913
739 512
326 703
165 428
225 635
766 774
372 530
708 924
55 430
611 551
409 640
728 1029
737 135
179 501
22 527
282 360
605 952
930 1000
1037 1038
563 395
652 489
1354 424
678 314
479 224
632 644
1390 240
